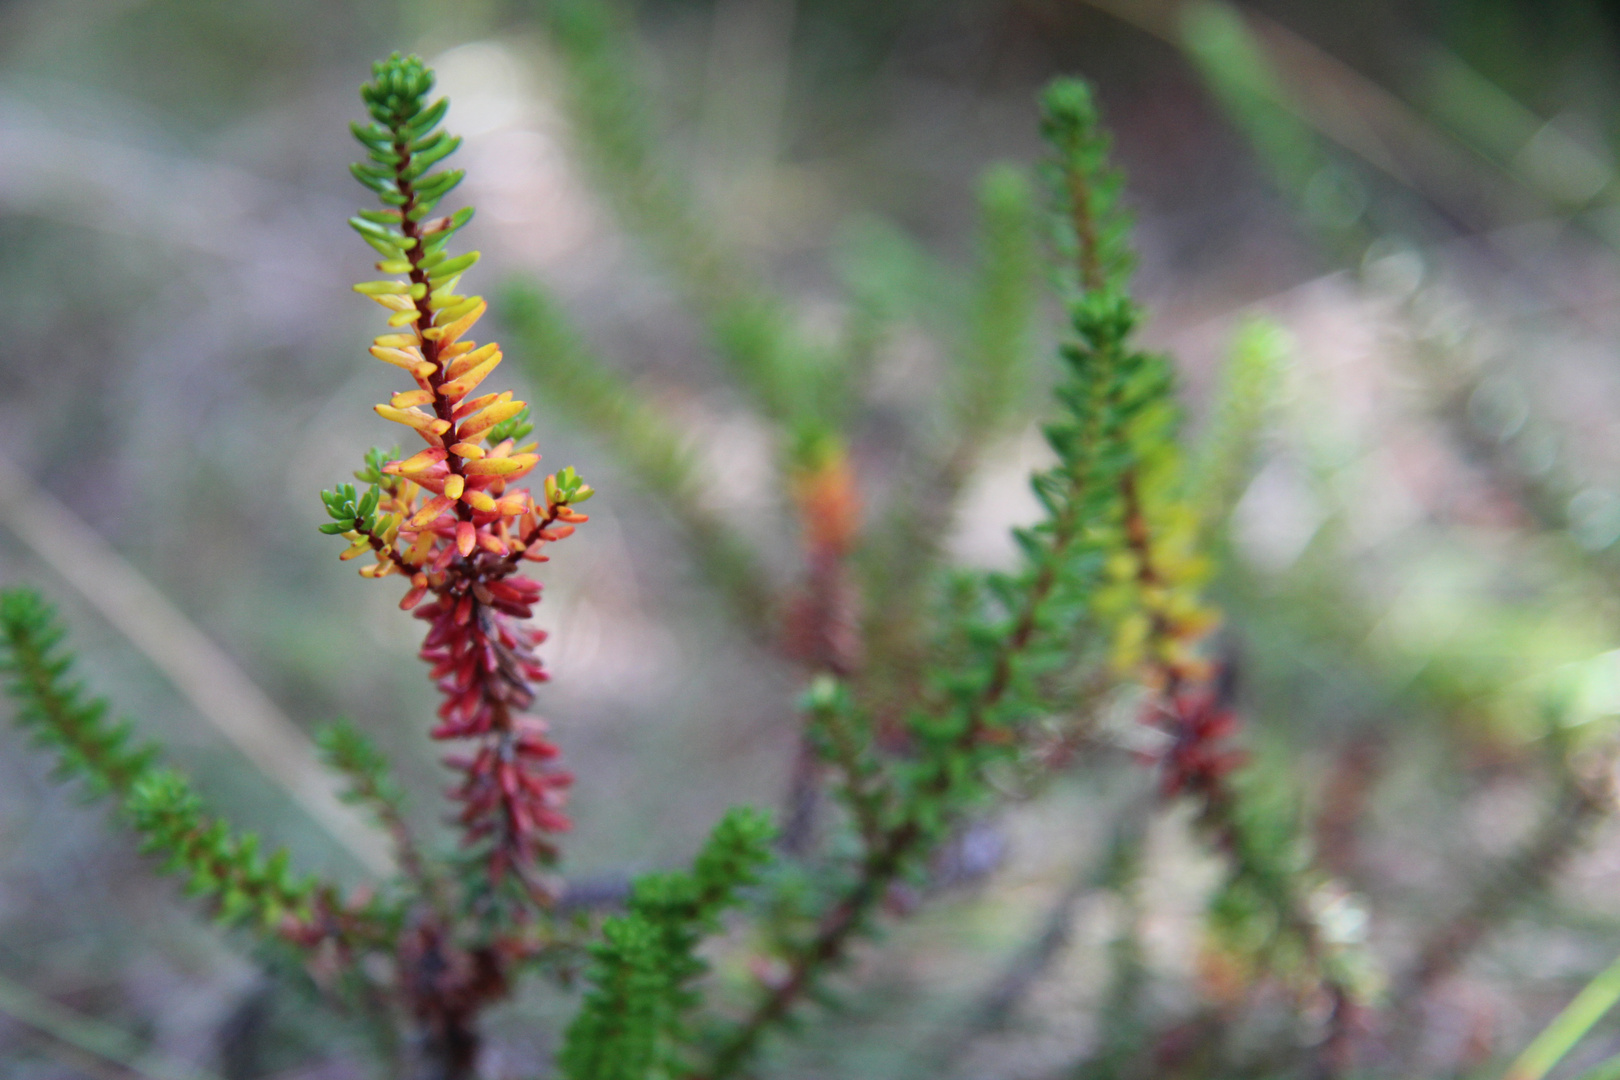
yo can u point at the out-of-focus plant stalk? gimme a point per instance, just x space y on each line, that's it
654 453
198 668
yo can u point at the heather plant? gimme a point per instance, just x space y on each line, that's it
1114 559
929 694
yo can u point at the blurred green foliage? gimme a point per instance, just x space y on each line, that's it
1418 588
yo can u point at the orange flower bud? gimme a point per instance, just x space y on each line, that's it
415 418
502 466
409 359
446 334
416 464
432 511
459 387
466 360
490 416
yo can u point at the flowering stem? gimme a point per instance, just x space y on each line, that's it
1206 778
443 407
888 859
464 541
384 549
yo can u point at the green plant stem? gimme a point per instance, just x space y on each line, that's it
752 329
1567 1028
885 863
56 710
897 578
826 948
1604 1070
372 786
845 743
989 378
1220 819
1223 463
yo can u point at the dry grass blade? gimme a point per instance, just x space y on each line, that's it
200 670
85 1042
1341 105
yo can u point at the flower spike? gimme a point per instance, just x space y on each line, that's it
445 516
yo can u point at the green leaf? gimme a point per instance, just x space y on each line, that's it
451 267
424 121
430 155
439 185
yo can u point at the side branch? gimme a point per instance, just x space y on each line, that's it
888 860
1581 805
1199 766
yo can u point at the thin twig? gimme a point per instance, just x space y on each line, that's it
1345 107
883 865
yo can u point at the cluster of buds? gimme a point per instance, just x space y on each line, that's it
1154 586
823 619
1197 757
1163 625
449 518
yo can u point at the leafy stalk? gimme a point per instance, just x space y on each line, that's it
159 804
753 330
216 863
989 376
371 785
54 709
975 709
1224 460
633 1023
1157 570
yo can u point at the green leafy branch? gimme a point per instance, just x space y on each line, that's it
792 380
633 1023
158 803
977 704
371 785
989 378
216 863
54 709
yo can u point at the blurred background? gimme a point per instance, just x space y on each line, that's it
1421 584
